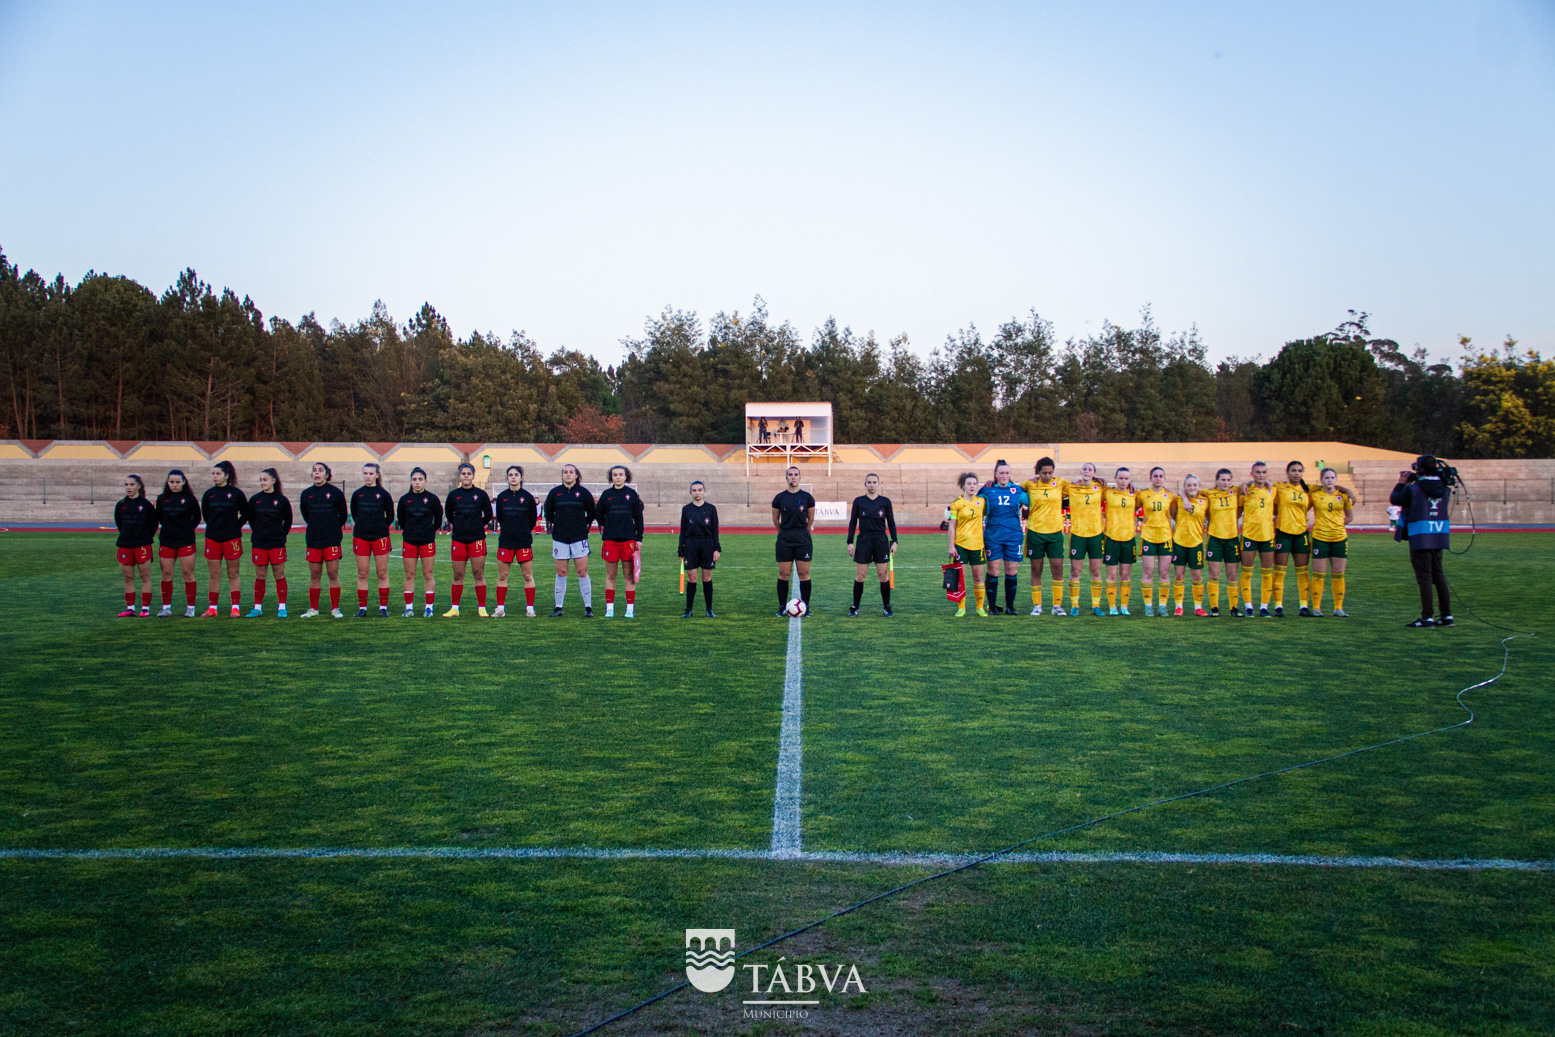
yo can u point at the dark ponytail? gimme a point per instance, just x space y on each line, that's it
1304 487
232 473
275 479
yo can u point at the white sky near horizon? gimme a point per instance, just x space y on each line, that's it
571 169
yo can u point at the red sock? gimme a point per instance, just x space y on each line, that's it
280 589
259 592
631 596
334 597
502 595
214 596
431 596
145 597
383 597
480 595
191 589
237 598
529 596
129 599
361 597
313 597
458 592
410 598
610 595
167 592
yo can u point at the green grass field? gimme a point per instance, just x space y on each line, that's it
922 734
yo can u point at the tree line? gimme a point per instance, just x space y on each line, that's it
106 358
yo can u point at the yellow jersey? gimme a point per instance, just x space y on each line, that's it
1223 508
1192 514
1047 505
1330 507
968 517
1158 515
1085 508
1120 513
1258 513
1293 502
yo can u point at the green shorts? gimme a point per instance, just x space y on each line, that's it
1331 548
1044 545
971 555
1192 557
1293 543
1118 552
1222 549
1087 547
1156 549
1261 547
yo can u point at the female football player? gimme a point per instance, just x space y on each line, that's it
225 508
1331 506
620 514
468 512
1044 535
1191 513
270 518
178 514
1085 536
419 516
872 541
324 514
1122 525
1155 534
135 518
965 536
1292 502
1003 538
372 513
699 548
1221 547
569 514
516 510
1257 538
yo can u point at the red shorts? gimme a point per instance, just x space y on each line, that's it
517 554
409 550
618 550
135 555
476 549
322 554
268 556
381 546
215 549
187 551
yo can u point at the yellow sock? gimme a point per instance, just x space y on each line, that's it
982 596
1303 582
1198 596
1245 585
1123 591
1214 594
1112 594
1095 594
1233 593
1265 585
1074 594
1182 593
1147 590
1036 588
1317 589
1279 585
1339 591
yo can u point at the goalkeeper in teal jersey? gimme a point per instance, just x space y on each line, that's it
1005 535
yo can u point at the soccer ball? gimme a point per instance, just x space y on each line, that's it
796 607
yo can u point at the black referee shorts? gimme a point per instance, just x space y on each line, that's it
872 549
794 547
699 554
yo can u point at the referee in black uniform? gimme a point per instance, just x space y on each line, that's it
875 523
793 513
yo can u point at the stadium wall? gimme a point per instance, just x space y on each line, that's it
78 481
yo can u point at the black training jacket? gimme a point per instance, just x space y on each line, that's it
270 517
698 523
871 518
178 514
620 514
420 516
225 509
372 511
569 513
136 520
323 509
469 513
516 514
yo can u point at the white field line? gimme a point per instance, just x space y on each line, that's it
786 840
916 860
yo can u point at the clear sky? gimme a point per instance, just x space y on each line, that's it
569 169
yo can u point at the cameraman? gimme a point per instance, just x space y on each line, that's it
1424 495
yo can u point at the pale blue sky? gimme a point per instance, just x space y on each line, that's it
570 169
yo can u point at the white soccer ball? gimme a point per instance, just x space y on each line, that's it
796 607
